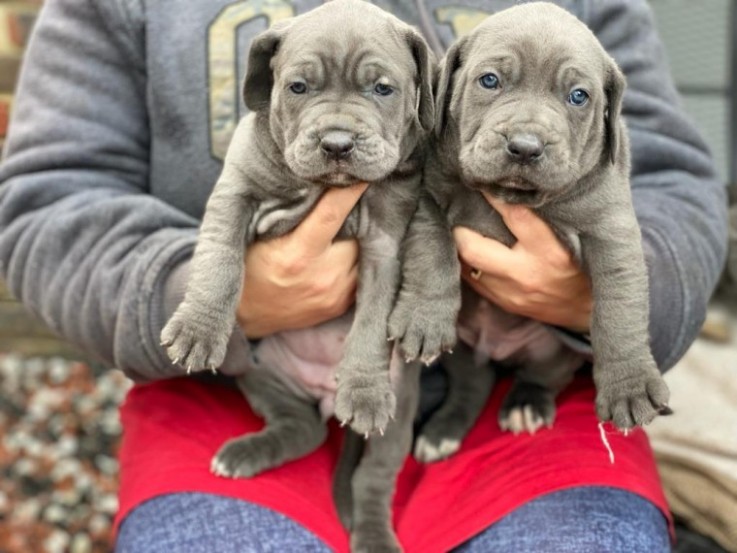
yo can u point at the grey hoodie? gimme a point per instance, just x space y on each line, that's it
123 114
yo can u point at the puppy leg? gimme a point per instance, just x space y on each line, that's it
197 334
293 429
469 386
423 320
630 389
375 477
365 398
350 455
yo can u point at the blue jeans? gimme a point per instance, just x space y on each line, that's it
577 520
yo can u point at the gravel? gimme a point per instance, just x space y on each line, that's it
59 433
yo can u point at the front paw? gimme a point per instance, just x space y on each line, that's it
195 342
423 329
365 401
631 395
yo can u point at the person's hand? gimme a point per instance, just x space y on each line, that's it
305 277
537 277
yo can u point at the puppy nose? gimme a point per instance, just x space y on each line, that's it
337 144
525 148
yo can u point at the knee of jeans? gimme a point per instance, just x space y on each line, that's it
638 531
143 531
619 520
579 520
205 523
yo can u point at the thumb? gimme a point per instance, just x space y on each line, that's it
317 231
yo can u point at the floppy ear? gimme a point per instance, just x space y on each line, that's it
259 78
448 66
614 90
426 66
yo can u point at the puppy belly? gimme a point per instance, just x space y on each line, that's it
501 336
307 360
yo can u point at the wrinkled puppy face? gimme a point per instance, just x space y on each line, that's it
348 89
533 100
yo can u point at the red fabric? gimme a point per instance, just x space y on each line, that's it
173 428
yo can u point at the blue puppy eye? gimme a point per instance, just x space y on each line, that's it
383 89
489 80
298 87
578 97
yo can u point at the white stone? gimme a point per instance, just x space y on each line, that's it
81 543
99 524
106 464
57 542
25 466
59 370
54 513
107 503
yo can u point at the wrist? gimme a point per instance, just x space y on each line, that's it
580 324
253 328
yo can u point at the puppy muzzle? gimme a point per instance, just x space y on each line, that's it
338 144
525 148
341 156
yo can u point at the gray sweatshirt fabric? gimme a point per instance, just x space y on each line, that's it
123 113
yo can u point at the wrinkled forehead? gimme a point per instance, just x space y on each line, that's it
548 50
356 47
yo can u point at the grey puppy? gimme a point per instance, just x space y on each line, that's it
339 95
529 110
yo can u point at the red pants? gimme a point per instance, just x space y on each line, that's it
173 428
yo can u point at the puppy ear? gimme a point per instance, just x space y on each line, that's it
259 77
614 90
444 89
426 67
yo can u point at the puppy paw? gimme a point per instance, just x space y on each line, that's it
423 329
630 397
429 449
441 436
242 458
366 402
374 540
527 408
195 342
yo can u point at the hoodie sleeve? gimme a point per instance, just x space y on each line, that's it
680 203
83 244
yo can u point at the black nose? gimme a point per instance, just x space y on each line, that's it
525 148
337 144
